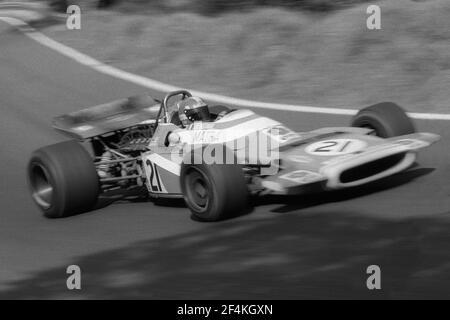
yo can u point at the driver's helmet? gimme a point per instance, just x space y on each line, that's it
193 109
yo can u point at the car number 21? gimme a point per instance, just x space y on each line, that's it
335 147
154 181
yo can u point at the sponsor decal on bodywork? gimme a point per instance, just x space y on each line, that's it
334 147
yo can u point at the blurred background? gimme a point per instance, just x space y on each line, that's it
315 52
311 52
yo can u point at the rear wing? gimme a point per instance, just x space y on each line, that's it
108 117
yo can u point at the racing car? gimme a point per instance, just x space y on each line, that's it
182 148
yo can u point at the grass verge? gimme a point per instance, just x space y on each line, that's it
275 55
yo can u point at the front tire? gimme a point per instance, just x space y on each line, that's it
63 180
387 119
214 192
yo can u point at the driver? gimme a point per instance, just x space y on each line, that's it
193 109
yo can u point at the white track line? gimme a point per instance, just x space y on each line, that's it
159 86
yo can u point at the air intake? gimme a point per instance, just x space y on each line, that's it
371 168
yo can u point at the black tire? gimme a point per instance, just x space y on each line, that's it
224 188
63 179
386 118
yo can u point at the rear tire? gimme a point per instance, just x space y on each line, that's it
214 192
63 179
386 118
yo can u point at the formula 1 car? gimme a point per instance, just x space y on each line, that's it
213 164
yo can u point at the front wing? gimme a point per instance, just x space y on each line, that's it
391 156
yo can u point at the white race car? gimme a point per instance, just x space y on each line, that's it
215 160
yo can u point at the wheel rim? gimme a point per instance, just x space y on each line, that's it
197 190
42 189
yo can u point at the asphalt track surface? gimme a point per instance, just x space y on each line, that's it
316 246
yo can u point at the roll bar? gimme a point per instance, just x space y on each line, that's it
163 108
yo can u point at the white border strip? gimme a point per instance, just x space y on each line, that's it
159 86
